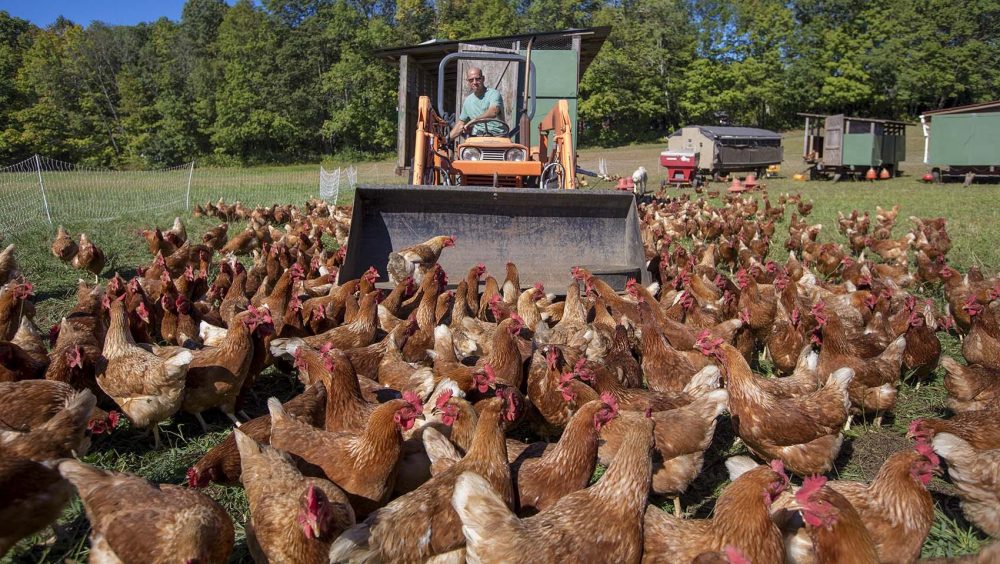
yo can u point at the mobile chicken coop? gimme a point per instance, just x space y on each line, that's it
838 146
719 150
963 142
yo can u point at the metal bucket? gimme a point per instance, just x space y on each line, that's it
545 233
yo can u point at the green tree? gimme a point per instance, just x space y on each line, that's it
65 116
630 90
15 39
414 21
199 61
251 122
362 95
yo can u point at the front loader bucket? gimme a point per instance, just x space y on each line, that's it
545 233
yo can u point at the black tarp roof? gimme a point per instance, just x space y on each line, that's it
730 132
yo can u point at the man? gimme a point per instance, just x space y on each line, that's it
483 103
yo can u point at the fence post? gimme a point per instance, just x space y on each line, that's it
187 198
41 184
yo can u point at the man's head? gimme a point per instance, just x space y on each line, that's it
474 78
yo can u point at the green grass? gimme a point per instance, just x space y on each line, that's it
973 225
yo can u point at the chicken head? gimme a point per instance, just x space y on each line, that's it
315 516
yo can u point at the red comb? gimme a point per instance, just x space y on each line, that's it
810 485
927 452
443 398
413 399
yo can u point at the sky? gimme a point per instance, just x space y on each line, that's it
115 12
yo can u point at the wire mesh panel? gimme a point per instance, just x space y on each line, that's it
76 193
41 191
329 184
22 204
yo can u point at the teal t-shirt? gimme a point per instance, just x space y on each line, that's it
474 106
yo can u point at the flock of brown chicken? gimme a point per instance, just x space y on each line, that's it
404 444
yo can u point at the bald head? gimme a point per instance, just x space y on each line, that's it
474 78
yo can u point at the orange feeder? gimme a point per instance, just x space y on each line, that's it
736 187
884 175
871 174
625 184
751 181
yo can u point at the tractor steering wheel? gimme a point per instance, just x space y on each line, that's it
481 127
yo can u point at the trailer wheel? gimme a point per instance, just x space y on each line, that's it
936 173
836 177
969 177
695 181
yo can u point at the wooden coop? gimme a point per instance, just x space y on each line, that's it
838 146
560 58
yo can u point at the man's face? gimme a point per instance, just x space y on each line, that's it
475 80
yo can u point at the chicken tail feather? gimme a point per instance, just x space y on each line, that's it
480 508
353 545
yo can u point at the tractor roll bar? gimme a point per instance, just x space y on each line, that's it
481 56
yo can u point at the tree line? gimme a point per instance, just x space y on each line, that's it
294 80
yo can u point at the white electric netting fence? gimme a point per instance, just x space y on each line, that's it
76 193
22 201
40 191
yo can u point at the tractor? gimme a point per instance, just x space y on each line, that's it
504 199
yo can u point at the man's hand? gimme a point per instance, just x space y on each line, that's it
459 129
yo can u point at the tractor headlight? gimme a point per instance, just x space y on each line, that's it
514 154
470 154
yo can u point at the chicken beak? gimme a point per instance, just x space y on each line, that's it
312 527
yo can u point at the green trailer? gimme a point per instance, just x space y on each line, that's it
963 142
837 146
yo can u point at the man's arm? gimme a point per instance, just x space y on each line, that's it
457 130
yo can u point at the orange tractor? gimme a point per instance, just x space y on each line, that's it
496 160
502 197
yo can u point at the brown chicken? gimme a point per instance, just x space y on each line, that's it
971 388
216 237
837 532
544 472
363 464
740 519
977 428
221 464
895 508
873 388
8 265
63 435
32 496
681 436
359 332
89 257
982 345
14 303
417 260
976 475
553 389
64 247
31 403
292 518
805 432
601 523
423 523
146 381
216 374
134 520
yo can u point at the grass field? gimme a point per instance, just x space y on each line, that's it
973 224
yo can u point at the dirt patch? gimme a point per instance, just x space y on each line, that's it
871 449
